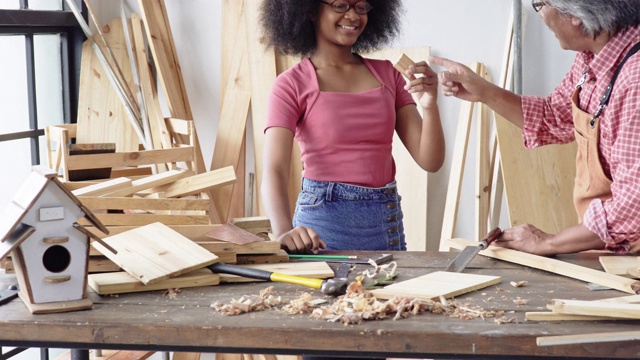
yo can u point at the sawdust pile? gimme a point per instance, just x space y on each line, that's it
355 307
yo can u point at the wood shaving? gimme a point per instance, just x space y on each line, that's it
171 293
267 300
520 301
519 283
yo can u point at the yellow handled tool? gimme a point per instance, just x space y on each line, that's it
334 286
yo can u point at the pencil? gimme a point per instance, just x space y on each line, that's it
320 257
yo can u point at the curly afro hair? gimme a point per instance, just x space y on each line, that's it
288 28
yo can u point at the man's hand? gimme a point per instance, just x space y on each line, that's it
526 238
459 80
301 240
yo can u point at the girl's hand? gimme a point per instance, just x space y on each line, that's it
423 82
301 240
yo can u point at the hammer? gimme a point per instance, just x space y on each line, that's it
334 286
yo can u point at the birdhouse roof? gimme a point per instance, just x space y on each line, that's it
11 226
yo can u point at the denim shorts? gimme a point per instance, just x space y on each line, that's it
350 217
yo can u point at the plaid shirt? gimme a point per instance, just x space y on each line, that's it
549 121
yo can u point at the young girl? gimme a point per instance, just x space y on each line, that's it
343 109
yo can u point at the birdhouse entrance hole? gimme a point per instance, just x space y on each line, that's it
56 259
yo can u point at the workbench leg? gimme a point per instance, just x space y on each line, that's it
79 354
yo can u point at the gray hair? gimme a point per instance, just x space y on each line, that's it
597 16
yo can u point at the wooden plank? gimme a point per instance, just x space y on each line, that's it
122 282
456 175
199 183
229 140
548 201
102 117
149 182
554 266
619 265
434 285
165 56
192 232
155 252
146 219
159 134
133 158
259 247
263 72
311 269
104 187
596 308
588 338
551 316
133 203
411 179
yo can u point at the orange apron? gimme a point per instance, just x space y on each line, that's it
591 182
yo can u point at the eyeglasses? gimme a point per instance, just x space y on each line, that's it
537 5
341 7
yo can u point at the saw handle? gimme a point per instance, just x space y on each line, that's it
492 236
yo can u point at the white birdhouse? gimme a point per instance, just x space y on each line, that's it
49 248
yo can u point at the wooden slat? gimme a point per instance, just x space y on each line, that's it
149 182
133 203
135 158
596 308
199 183
122 282
165 56
456 174
619 265
588 338
146 219
104 187
554 266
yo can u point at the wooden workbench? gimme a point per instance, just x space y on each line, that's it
155 321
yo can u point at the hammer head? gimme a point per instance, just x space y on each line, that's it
334 286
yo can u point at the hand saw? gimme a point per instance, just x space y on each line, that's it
468 253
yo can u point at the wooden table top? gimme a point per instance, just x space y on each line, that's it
186 322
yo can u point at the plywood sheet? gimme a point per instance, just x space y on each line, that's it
436 284
547 173
102 117
155 252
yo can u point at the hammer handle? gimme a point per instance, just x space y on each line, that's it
292 279
260 274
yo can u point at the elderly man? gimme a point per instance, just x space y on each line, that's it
597 104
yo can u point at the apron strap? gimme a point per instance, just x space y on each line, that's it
607 94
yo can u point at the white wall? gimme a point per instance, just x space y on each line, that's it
463 30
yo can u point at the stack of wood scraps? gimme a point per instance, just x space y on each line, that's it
151 255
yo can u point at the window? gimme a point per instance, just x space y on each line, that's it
41 46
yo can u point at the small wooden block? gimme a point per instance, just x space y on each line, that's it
436 284
403 64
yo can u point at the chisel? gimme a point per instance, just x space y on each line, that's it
468 253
